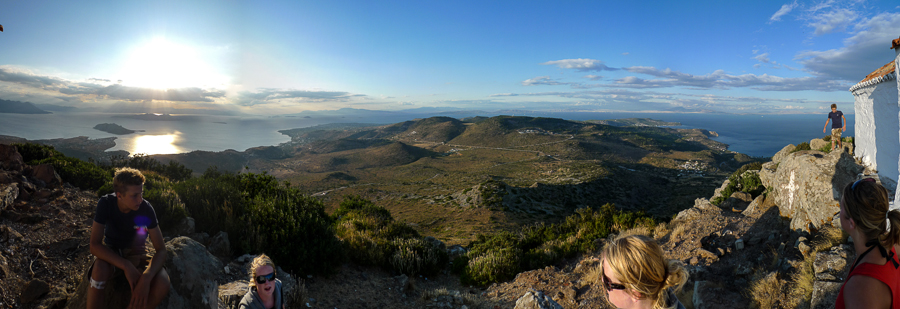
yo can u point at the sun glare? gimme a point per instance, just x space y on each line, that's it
155 144
163 64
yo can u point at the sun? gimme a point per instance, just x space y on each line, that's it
162 64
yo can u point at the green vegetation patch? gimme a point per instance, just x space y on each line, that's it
743 182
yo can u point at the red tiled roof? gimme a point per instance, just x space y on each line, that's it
894 44
884 70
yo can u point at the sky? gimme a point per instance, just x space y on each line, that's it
283 57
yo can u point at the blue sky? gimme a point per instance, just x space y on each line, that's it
276 57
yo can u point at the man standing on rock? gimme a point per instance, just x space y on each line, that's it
122 223
838 125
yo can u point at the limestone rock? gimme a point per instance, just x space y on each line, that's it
718 192
783 153
536 300
824 294
230 294
806 185
8 195
755 208
184 228
10 159
192 271
46 174
33 290
456 251
818 143
219 245
833 265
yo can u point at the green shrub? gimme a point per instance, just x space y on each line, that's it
737 182
492 266
294 230
216 203
32 152
414 256
801 146
173 170
87 176
160 193
827 138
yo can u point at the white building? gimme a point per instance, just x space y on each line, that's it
877 125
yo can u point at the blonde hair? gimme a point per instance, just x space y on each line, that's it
638 262
125 177
868 205
259 261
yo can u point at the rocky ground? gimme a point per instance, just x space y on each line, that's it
44 229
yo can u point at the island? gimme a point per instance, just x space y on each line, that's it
16 107
636 122
113 128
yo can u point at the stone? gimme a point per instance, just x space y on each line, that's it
710 295
783 153
534 299
806 185
47 174
436 242
738 201
184 228
742 269
832 265
230 294
219 245
818 143
8 195
10 159
201 237
755 209
33 290
739 244
823 295
718 192
456 251
192 270
712 257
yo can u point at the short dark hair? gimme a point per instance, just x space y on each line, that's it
833 105
127 176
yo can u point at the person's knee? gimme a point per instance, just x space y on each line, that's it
160 285
100 274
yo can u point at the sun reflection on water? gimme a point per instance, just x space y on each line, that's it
155 144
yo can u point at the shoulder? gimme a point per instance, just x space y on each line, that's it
247 300
109 199
866 292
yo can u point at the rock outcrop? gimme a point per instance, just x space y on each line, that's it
190 269
536 300
806 185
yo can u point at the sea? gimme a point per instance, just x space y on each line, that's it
755 135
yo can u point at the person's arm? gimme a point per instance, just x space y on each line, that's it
142 289
845 123
826 124
103 252
866 292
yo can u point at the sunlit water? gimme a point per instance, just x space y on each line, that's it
750 134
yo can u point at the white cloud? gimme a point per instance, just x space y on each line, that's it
580 64
833 21
866 50
782 11
541 80
593 77
625 54
764 58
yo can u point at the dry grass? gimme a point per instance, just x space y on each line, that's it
454 297
801 283
637 230
766 291
678 231
662 229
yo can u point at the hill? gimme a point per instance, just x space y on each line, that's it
16 107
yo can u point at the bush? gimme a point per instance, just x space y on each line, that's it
160 193
216 203
294 230
827 138
414 256
801 146
492 266
738 182
173 170
87 176
32 152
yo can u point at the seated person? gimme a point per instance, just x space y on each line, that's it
635 275
122 222
265 290
874 279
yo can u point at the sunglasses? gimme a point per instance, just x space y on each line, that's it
853 187
609 286
266 278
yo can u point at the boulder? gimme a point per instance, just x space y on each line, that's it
219 245
10 159
718 192
818 143
184 228
193 271
436 242
33 290
806 185
783 153
46 174
824 294
8 195
456 251
536 300
738 201
230 294
755 209
833 265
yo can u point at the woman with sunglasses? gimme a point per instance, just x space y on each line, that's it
874 279
265 290
636 275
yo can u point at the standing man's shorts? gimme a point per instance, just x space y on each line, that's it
836 134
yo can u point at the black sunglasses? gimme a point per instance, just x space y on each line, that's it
263 279
609 286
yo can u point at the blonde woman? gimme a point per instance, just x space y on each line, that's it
635 274
265 289
874 279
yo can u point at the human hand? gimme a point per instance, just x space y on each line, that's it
139 293
823 129
132 274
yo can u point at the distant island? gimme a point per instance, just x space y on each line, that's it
16 107
114 129
160 117
635 122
